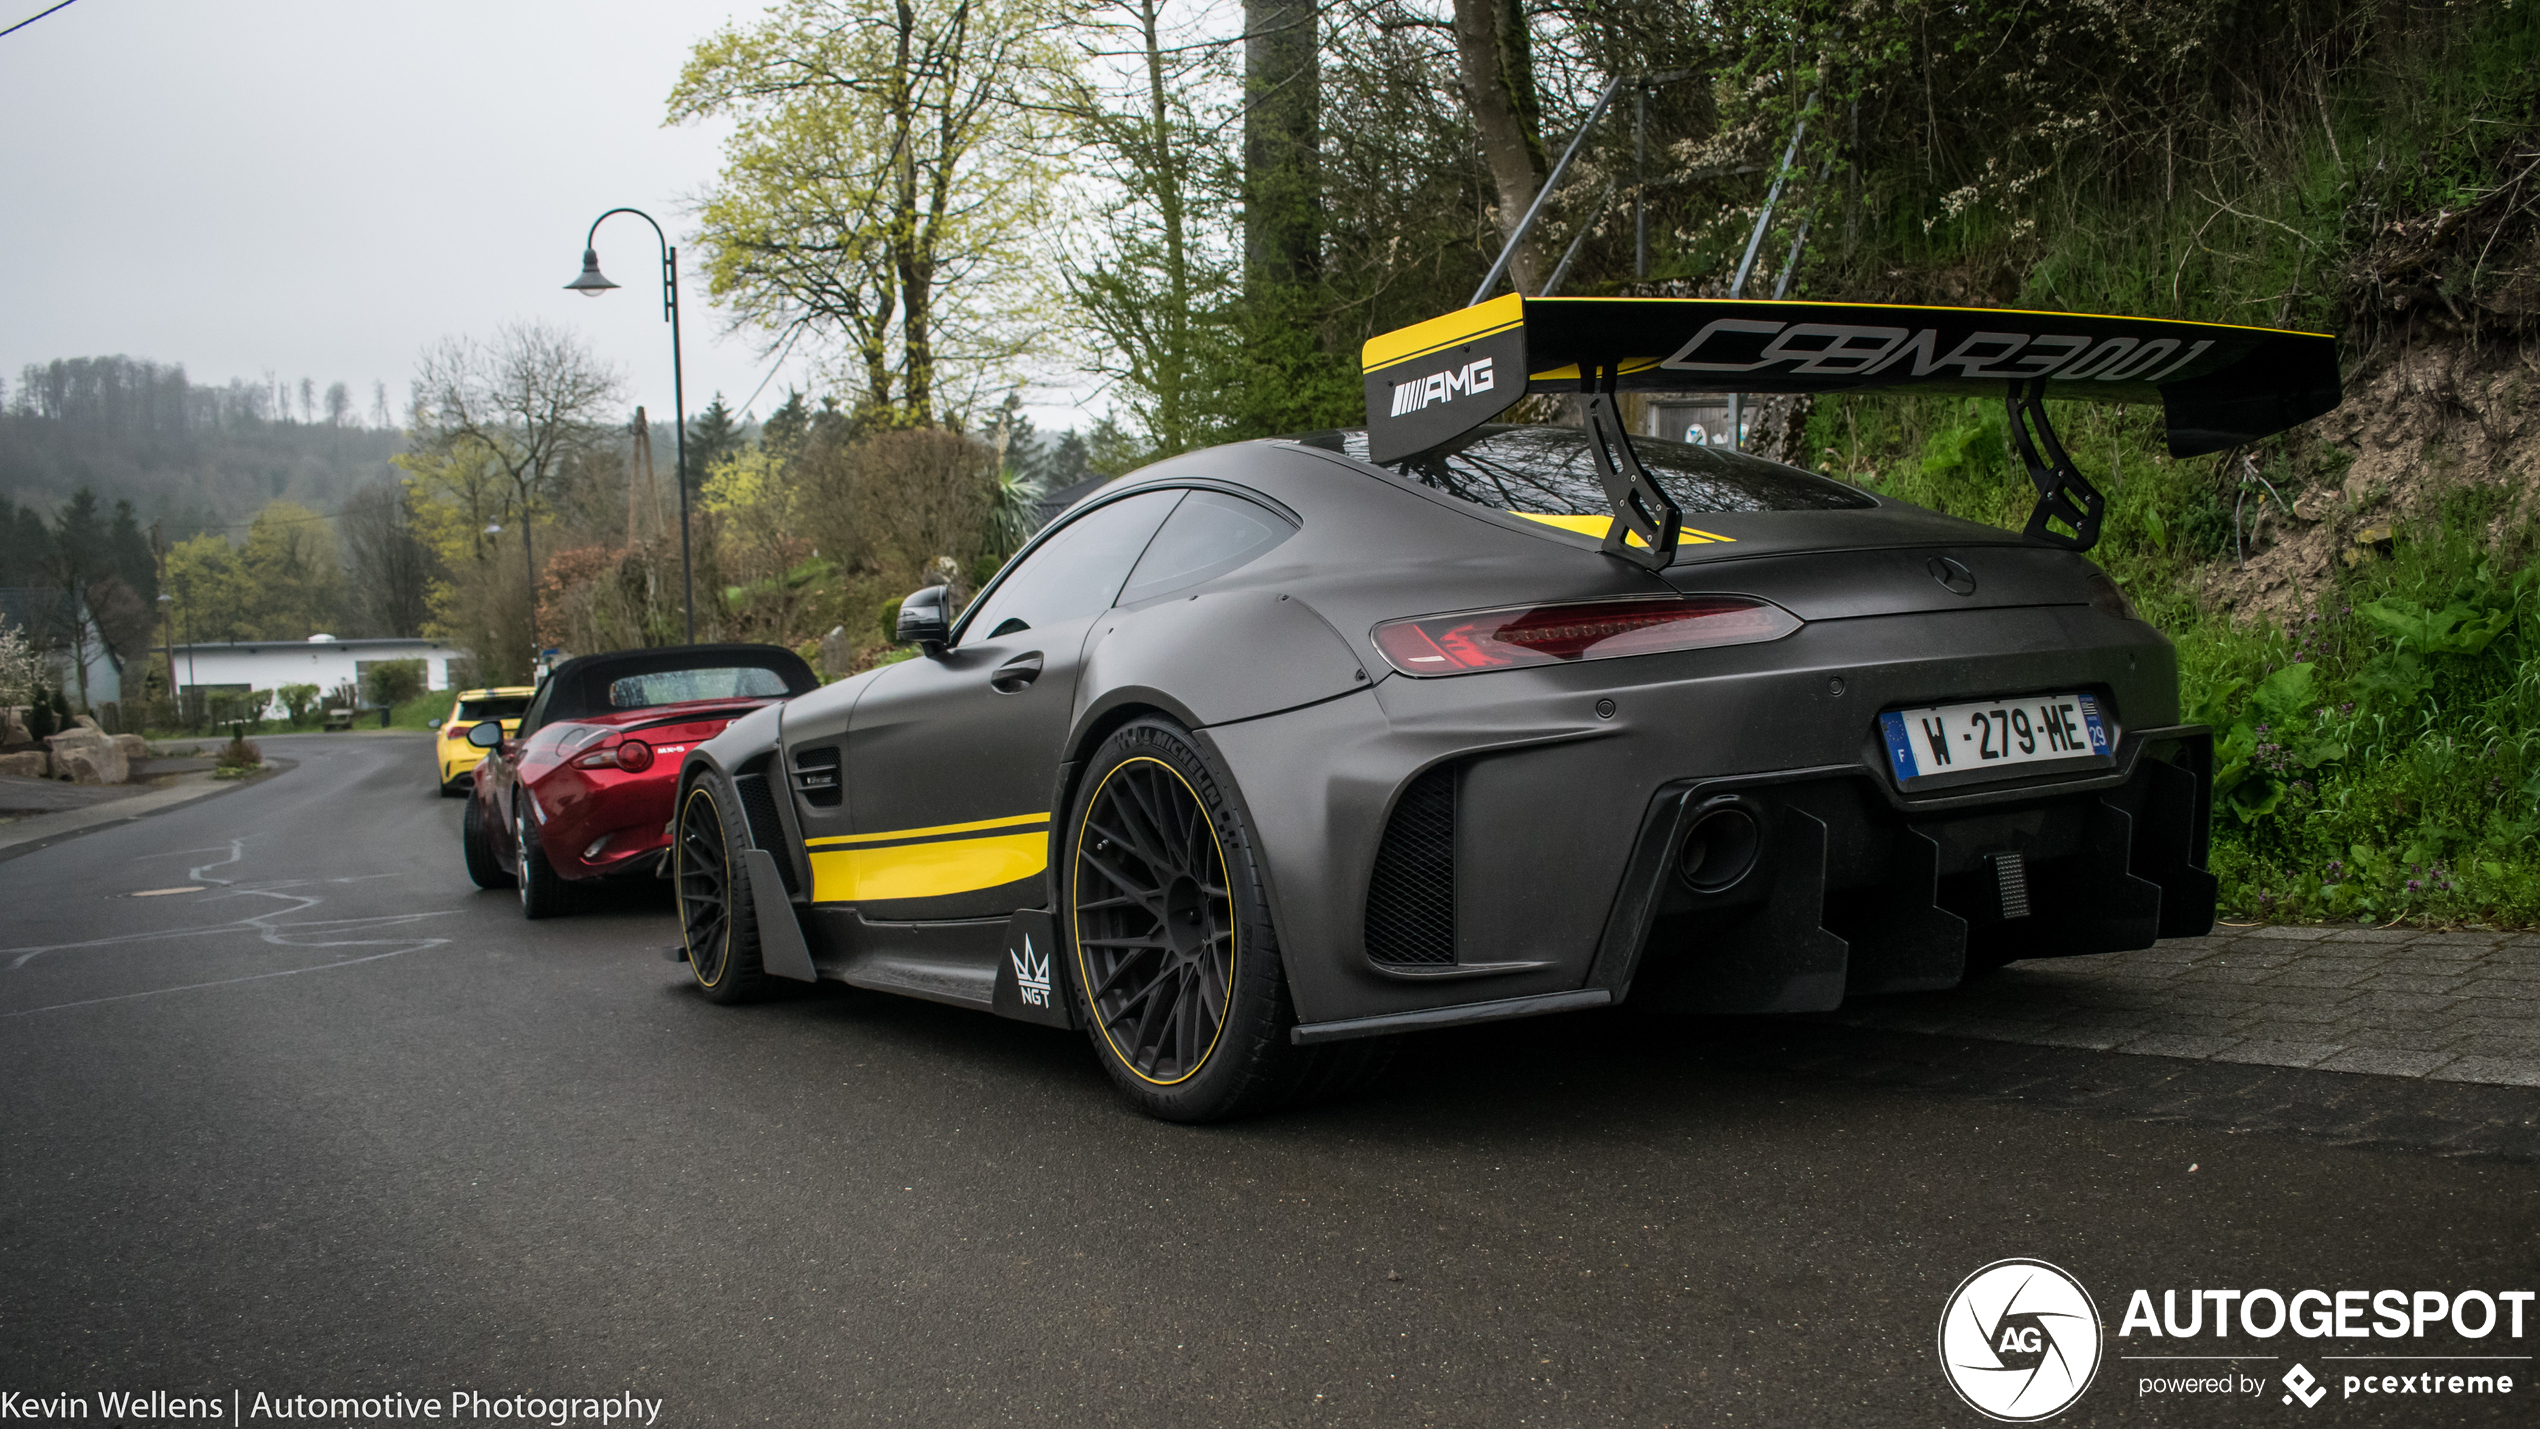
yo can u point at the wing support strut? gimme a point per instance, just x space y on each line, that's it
1640 508
2063 493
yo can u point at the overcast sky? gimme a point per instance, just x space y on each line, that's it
320 188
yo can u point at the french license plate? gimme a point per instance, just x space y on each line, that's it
1993 734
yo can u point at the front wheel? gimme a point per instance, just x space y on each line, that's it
1177 971
716 917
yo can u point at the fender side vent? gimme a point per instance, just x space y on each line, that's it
816 777
767 831
1411 898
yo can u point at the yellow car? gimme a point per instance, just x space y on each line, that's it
456 757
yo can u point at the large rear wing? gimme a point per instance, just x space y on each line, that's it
1431 383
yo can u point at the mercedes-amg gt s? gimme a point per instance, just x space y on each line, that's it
1264 753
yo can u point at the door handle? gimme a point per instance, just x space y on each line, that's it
1016 673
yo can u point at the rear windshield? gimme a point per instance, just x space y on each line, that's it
508 707
670 687
1548 471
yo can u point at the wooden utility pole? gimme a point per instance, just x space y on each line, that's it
639 475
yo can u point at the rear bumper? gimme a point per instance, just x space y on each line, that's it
1859 889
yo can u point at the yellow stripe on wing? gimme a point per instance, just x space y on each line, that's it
1462 325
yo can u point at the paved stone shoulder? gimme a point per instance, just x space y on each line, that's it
2394 1002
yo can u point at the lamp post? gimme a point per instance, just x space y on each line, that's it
591 284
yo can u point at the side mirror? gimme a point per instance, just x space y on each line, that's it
486 735
435 724
926 619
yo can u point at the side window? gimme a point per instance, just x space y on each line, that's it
538 703
1209 534
1075 574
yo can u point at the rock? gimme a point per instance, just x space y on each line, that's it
837 654
13 731
26 764
84 756
87 723
133 746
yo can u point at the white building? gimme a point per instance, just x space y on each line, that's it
320 660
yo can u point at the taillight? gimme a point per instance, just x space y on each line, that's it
633 755
1581 630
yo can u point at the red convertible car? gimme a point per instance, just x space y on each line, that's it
583 790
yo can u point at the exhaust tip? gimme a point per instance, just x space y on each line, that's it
1721 849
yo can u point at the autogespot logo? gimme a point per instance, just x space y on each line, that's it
2019 1341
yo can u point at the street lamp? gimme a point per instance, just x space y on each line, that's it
591 284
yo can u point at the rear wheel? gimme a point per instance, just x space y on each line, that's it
542 892
1177 970
716 917
482 866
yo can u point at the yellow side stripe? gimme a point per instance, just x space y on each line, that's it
936 831
1597 526
1463 325
927 870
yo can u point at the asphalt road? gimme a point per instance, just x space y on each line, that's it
341 1124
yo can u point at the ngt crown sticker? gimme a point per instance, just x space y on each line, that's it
2019 1341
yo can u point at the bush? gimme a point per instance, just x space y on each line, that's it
2379 759
393 682
297 701
241 753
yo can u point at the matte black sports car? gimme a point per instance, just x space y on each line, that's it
1265 752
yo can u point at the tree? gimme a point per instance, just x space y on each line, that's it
1283 101
339 404
284 583
525 406
390 570
1495 60
1149 287
883 186
713 435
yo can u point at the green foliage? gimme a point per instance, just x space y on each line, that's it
393 682
2381 759
298 702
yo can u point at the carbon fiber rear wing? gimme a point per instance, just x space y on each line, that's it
1433 382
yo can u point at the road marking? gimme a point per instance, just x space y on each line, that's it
164 892
272 932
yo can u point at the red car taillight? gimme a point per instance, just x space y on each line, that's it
633 755
1581 630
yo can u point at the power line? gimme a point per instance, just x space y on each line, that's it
31 19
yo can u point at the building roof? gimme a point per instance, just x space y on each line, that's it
251 647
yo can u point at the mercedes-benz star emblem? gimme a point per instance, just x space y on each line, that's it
1949 573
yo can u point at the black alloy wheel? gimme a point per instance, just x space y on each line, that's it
716 917
1155 922
1174 966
